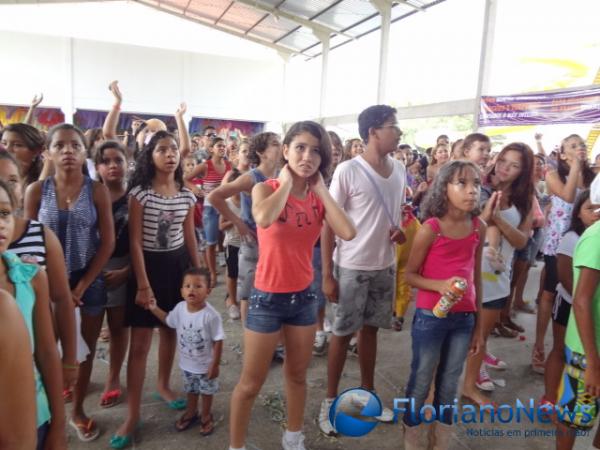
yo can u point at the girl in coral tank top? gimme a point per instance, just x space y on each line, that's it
289 212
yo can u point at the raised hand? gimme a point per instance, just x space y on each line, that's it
35 101
116 92
181 110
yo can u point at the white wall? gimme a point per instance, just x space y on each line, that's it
77 72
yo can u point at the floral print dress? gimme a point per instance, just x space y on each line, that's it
557 224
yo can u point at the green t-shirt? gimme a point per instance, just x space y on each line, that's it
587 254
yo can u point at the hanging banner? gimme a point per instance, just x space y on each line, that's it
227 128
43 118
550 108
87 118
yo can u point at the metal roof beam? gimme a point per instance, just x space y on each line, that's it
240 34
411 5
276 12
451 108
36 2
223 13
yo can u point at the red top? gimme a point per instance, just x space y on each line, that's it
449 258
286 246
212 179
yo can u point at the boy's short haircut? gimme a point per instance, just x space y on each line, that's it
197 271
373 117
475 137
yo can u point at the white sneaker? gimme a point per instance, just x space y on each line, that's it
320 343
324 423
234 312
387 415
221 260
297 444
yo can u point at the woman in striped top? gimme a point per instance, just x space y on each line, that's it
162 246
33 242
212 173
78 210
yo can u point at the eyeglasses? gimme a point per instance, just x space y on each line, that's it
396 128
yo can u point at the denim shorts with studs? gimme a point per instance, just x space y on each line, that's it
268 312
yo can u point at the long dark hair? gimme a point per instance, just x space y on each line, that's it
34 141
318 132
577 224
563 168
522 188
145 170
435 203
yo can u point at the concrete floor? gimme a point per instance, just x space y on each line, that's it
394 355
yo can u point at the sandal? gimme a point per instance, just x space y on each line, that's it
538 361
525 308
183 423
508 323
68 395
120 442
505 332
110 398
86 432
208 426
104 335
177 404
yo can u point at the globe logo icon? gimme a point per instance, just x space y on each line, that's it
354 411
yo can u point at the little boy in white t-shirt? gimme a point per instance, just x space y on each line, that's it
200 342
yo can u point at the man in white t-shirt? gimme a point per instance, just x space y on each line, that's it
359 277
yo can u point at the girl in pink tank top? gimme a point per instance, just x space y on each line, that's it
446 248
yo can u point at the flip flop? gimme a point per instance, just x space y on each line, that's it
525 308
68 395
505 332
86 432
208 427
110 398
508 323
120 442
177 404
183 423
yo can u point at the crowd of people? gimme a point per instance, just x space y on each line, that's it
128 230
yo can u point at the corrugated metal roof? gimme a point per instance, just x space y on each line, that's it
286 25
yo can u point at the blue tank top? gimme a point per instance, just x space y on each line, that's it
246 199
21 274
76 228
